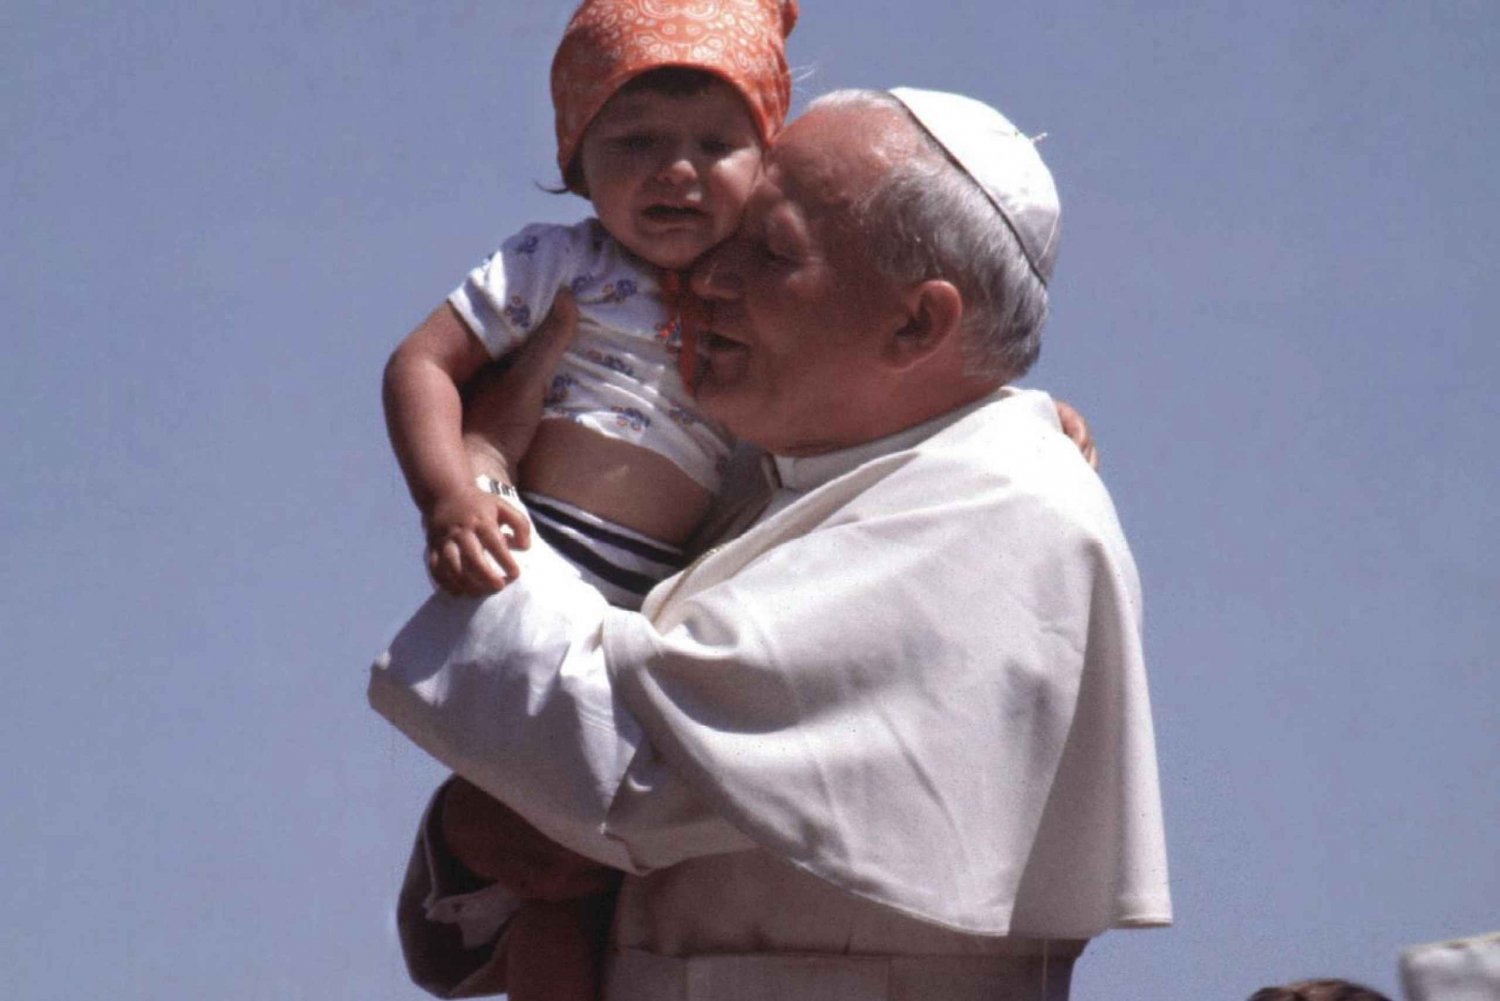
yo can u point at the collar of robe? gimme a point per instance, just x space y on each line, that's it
804 473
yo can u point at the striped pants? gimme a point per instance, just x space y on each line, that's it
622 564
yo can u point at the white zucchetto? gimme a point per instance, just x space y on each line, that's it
1001 160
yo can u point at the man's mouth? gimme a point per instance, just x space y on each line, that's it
722 361
713 342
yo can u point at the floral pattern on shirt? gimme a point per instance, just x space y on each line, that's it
560 390
612 362
518 313
684 417
620 377
619 291
630 417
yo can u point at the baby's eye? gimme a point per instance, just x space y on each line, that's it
717 147
634 142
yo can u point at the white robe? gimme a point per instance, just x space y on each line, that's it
918 678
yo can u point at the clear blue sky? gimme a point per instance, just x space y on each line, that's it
219 218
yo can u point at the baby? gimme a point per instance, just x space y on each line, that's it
663 110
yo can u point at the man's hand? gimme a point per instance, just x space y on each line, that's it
1077 429
505 406
469 539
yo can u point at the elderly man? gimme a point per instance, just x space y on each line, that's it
893 740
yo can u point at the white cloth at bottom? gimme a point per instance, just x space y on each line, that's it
744 926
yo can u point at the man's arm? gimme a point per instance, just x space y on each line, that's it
513 693
503 405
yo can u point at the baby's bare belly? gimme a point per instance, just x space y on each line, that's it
624 483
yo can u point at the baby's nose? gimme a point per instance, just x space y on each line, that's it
678 169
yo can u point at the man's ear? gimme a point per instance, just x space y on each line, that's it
934 310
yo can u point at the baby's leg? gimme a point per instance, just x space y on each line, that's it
554 950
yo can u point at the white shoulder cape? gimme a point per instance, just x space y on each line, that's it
921 680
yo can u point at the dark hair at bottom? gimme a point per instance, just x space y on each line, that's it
1319 990
673 81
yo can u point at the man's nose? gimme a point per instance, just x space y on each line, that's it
715 275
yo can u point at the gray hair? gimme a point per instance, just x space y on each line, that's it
928 219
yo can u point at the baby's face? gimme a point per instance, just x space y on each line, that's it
668 175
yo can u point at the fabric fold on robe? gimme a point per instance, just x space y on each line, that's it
919 678
922 681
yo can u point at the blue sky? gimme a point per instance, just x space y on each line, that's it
1271 302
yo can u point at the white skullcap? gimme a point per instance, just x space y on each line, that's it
1001 160
1466 969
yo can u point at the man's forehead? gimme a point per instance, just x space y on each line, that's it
825 160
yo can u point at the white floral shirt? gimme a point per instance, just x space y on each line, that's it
620 375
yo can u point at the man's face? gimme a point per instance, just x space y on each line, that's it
798 319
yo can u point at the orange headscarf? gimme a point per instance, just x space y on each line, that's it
609 41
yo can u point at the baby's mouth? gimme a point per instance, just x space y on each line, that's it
673 213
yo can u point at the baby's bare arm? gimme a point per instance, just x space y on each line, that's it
467 551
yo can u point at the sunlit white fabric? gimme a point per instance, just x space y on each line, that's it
920 680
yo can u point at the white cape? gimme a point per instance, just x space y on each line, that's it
920 680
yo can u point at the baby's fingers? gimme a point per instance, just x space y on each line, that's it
459 565
497 555
515 520
445 567
482 573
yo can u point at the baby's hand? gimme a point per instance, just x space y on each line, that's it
470 535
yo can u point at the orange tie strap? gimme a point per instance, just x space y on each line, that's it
686 316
